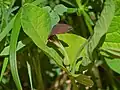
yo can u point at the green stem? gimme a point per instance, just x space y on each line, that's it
39 74
97 77
81 10
79 3
87 20
37 69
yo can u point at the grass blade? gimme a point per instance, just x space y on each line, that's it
13 43
4 68
7 29
30 75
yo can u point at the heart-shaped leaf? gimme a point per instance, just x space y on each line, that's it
38 19
74 46
36 24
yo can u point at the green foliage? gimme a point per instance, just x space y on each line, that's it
83 58
60 9
101 26
113 64
111 45
73 49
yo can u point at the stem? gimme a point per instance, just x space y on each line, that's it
86 16
97 77
87 19
79 3
37 69
40 84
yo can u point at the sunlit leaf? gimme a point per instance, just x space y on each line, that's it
111 45
33 17
74 43
102 26
37 26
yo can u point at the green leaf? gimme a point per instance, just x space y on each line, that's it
37 26
4 68
74 43
111 46
114 64
33 17
37 2
60 9
102 26
117 7
112 41
54 18
83 79
48 8
13 43
20 45
108 52
7 29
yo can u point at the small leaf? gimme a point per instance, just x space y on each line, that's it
48 8
54 18
60 9
4 68
7 29
74 43
85 80
20 45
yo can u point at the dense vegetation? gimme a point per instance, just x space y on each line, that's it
59 45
